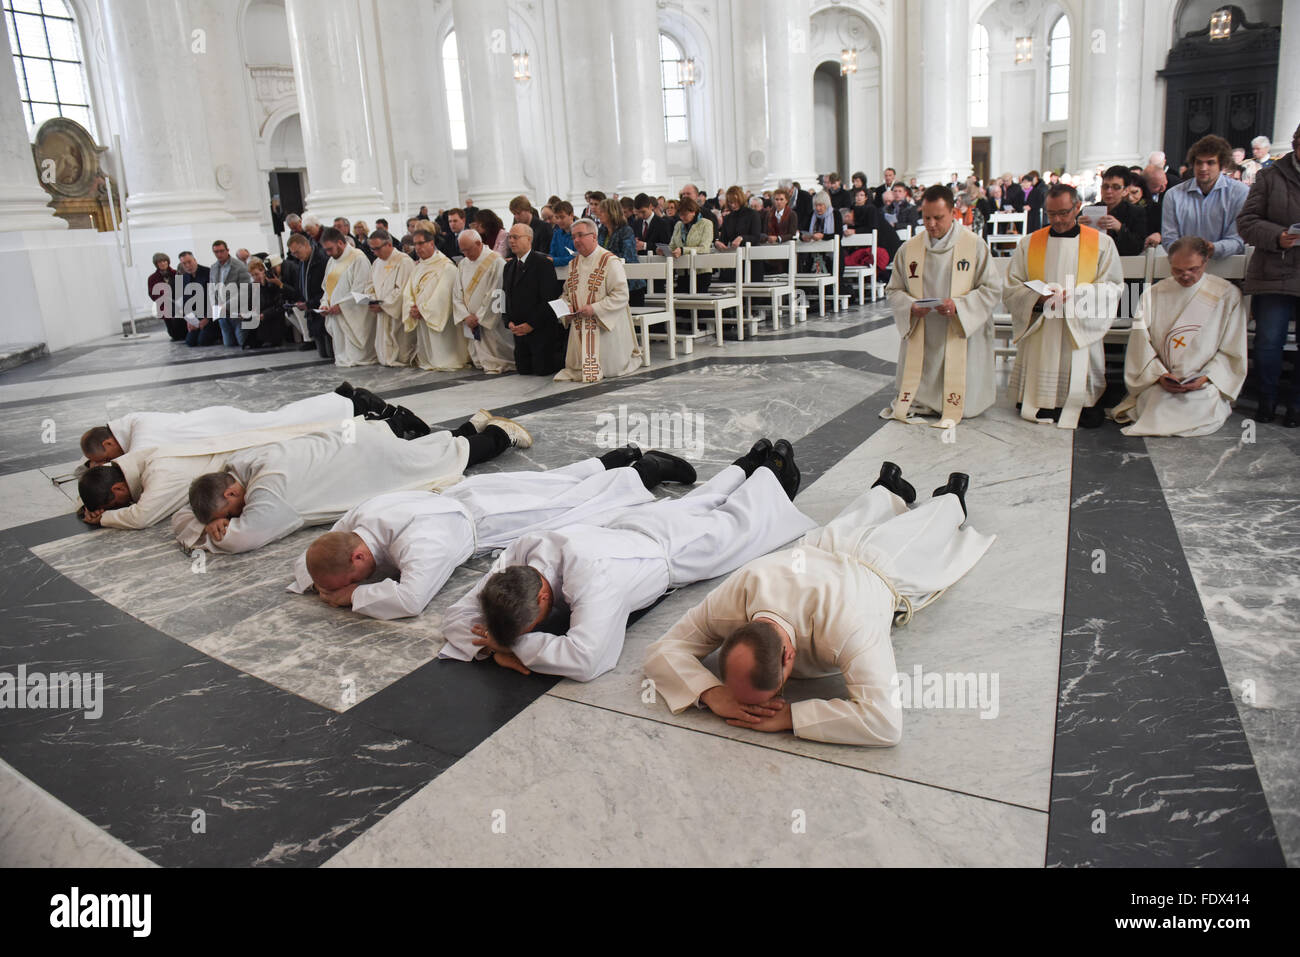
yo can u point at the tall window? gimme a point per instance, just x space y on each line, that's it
676 129
979 77
455 99
47 59
1058 70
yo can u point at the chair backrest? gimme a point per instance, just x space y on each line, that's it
1229 267
1000 219
859 239
771 252
731 260
662 269
562 272
820 245
1135 267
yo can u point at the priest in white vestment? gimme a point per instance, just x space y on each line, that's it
141 488
477 304
1059 322
394 345
416 540
573 588
144 430
825 607
602 338
267 493
345 301
426 307
1186 359
942 290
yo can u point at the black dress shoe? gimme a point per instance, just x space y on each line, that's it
1290 420
410 424
671 468
621 458
1266 412
958 482
891 477
363 401
345 389
1092 417
753 460
781 461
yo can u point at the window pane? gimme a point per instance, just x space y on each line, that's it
68 76
42 112
668 49
674 102
79 113
56 8
26 6
40 80
13 37
22 82
1059 79
31 36
1059 106
676 129
63 40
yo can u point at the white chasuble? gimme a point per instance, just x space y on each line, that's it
1060 362
1184 332
439 345
353 329
945 366
478 293
601 346
394 346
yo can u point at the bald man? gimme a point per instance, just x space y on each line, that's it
476 305
530 285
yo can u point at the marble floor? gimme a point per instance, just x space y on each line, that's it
1134 622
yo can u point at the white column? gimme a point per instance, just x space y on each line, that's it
169 176
496 174
334 106
938 49
23 203
787 26
1111 35
1286 114
416 119
225 111
751 122
639 108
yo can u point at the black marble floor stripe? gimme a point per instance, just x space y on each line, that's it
848 332
278 780
190 357
1149 745
146 386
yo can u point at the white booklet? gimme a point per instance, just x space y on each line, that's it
561 308
928 302
360 297
1040 287
1091 214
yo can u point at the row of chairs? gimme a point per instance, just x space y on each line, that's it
778 288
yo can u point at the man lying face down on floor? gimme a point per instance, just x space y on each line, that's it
142 487
824 607
266 493
558 601
144 430
423 538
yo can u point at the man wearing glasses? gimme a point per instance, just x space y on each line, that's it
426 307
389 272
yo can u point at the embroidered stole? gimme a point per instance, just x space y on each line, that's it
914 254
1049 345
588 326
1199 310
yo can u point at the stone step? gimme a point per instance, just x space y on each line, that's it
15 354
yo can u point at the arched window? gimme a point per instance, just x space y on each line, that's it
676 127
48 61
979 77
455 100
1058 70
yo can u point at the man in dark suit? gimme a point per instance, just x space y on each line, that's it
530 286
655 229
1157 186
801 202
1034 201
194 302
883 192
306 267
524 213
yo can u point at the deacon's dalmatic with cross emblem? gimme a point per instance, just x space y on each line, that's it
945 365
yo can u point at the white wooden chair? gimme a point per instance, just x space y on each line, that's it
860 274
653 315
775 286
1003 242
821 281
726 298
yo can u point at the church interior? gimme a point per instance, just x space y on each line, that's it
1128 641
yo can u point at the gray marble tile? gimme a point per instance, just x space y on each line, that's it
579 786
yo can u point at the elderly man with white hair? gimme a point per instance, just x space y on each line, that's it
477 305
602 338
1259 159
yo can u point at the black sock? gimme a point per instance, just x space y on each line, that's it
748 464
485 445
651 474
465 430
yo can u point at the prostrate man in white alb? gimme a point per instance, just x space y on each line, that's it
823 608
558 601
394 345
345 302
1186 360
942 290
423 538
145 430
477 304
1063 289
267 493
602 339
